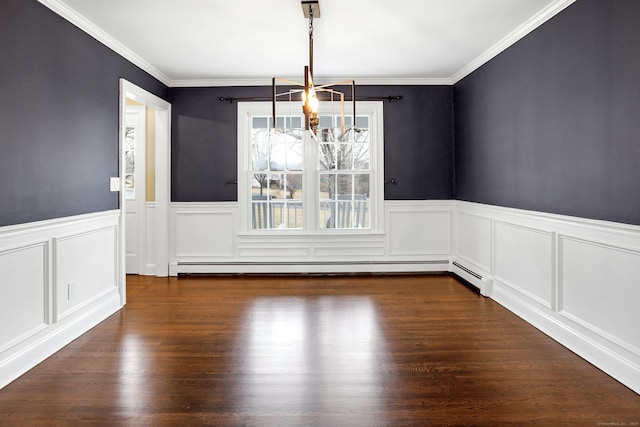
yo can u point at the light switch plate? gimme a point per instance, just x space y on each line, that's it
114 183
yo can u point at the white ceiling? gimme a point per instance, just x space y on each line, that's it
218 42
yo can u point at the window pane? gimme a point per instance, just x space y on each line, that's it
360 214
260 123
260 217
294 156
260 135
278 214
296 122
294 215
362 185
260 157
129 162
258 183
356 135
293 186
325 217
327 186
344 185
274 185
326 122
362 121
344 214
327 156
361 156
330 134
344 156
278 157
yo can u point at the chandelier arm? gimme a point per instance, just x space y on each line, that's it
342 83
291 82
291 92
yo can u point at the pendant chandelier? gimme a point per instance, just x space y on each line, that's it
309 92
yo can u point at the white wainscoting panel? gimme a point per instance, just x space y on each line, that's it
39 314
418 229
24 302
85 262
524 260
473 240
203 231
575 279
600 289
206 238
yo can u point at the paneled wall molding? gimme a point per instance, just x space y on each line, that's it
573 278
207 238
58 279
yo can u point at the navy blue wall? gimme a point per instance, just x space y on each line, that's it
552 124
418 137
59 91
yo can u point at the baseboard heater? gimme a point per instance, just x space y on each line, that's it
285 263
466 270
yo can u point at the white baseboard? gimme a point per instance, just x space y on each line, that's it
311 268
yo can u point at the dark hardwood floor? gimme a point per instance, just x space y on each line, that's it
310 350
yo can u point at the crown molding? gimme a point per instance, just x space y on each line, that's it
97 33
377 81
540 18
79 21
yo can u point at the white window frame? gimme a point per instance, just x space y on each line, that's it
372 109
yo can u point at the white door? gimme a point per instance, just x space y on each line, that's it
135 188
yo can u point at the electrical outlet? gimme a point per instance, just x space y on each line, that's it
71 290
114 183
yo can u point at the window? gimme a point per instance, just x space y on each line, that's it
129 162
291 181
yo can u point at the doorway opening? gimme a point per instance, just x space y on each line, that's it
145 129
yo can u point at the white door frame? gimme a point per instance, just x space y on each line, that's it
163 176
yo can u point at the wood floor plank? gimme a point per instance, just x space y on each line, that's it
387 350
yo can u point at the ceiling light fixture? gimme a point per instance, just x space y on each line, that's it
309 93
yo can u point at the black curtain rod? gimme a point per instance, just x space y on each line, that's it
359 98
